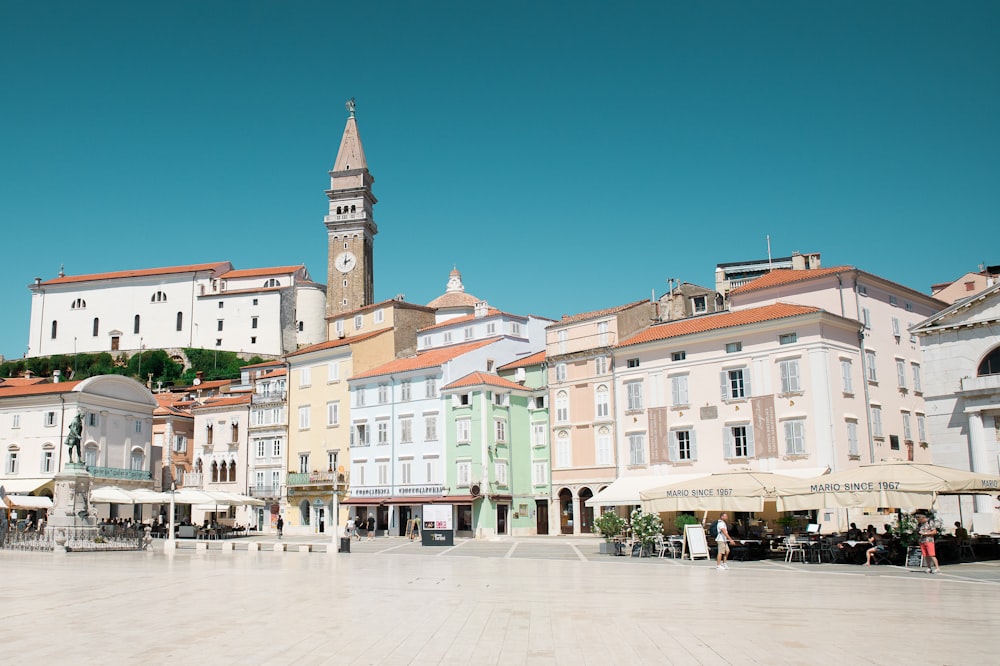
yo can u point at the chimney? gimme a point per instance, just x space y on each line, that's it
27 374
481 308
56 376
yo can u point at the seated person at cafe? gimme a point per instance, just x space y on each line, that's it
875 547
961 533
854 534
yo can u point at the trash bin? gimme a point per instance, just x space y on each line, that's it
345 544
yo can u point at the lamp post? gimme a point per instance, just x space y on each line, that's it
171 543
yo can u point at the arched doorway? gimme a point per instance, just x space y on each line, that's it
565 511
586 512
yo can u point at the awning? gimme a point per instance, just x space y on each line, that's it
23 486
29 502
625 490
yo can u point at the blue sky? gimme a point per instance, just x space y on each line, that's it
565 156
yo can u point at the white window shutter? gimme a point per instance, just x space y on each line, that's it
674 453
724 380
785 383
751 452
694 445
746 382
789 437
728 442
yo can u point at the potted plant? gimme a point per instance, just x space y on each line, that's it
786 523
645 528
684 519
609 524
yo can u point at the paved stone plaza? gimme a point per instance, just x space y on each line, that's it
541 600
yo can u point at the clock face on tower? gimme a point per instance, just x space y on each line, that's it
345 262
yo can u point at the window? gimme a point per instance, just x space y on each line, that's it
893 300
922 427
218 342
135 324
406 390
303 417
92 419
515 328
877 421
90 456
790 376
406 471
468 332
563 457
500 471
918 387
158 297
852 438
637 449
602 403
179 323
870 366
735 384
378 317
11 466
260 448
54 329
538 435
866 317
560 372
895 327
679 391
894 442
739 441
359 434
500 430
338 327
634 392
15 420
847 381
491 328
539 473
463 474
601 365
632 363
602 333
333 413
47 460
50 418
682 446
333 371
678 356
901 373
305 376
219 324
501 399
603 442
180 444
97 326
303 463
734 347
463 399
447 337
430 387
79 304
537 402
271 282
699 304
562 407
907 428
358 322
463 431
359 397
253 322
383 394
137 461
406 429
430 427
795 437
382 432
255 301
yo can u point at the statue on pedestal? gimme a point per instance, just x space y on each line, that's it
73 438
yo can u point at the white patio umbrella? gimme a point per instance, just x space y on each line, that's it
111 495
744 490
899 484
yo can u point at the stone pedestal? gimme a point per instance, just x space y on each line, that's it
71 515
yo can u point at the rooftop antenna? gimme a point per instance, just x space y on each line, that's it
768 237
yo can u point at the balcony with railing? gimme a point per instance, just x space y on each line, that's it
984 384
269 398
264 492
192 480
120 473
318 479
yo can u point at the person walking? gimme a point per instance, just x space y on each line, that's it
926 530
281 526
371 527
722 541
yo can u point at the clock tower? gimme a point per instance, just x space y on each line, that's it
350 227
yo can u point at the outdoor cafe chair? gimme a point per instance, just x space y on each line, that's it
793 548
965 552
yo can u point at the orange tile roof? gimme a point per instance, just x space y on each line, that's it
22 381
534 359
280 372
144 272
428 359
490 312
37 389
594 314
481 378
260 272
338 342
717 321
374 306
262 364
227 401
788 276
